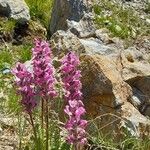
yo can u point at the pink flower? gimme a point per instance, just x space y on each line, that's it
67 111
73 103
79 112
82 123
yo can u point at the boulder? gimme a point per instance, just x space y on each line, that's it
63 10
135 70
101 77
136 123
16 9
20 32
107 97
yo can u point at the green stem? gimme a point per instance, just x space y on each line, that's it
42 121
34 129
42 113
75 146
47 123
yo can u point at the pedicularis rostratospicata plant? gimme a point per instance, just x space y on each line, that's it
43 73
37 89
75 126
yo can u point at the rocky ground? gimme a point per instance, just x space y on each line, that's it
8 135
116 78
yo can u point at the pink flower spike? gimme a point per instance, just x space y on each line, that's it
75 126
43 69
24 81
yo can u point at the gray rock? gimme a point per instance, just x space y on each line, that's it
95 46
103 35
137 124
148 21
137 75
84 28
16 9
62 42
133 55
66 10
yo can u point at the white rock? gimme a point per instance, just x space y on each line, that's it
148 21
16 9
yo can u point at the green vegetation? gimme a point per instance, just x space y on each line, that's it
5 59
9 101
40 10
6 29
10 56
120 21
7 25
126 141
23 52
129 143
147 10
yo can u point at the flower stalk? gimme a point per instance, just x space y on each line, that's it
47 124
33 127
